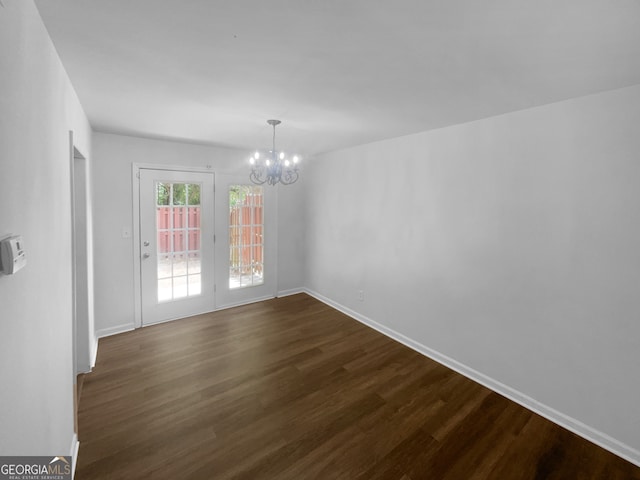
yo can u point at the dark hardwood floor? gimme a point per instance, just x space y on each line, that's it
292 389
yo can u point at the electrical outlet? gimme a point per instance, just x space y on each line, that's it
361 295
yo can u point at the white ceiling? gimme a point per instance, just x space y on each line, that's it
338 73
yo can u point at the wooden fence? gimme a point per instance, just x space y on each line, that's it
245 232
186 229
246 235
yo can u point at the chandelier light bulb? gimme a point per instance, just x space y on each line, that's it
276 167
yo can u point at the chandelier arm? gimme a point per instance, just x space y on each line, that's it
256 178
276 169
289 177
258 175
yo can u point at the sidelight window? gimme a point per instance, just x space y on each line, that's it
246 236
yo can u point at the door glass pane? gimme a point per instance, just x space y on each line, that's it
165 289
164 266
194 284
178 246
179 287
194 262
246 242
179 264
163 193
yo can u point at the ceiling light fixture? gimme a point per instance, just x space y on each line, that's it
273 167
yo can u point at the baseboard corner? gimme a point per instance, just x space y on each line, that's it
94 353
75 448
107 332
290 291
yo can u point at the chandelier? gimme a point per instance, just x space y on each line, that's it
273 167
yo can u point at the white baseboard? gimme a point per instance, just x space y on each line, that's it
73 451
94 353
585 431
107 332
238 304
291 291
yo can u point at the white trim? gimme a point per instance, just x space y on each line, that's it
291 291
172 168
276 230
180 317
135 238
248 302
585 431
227 297
82 295
94 353
74 246
73 451
107 332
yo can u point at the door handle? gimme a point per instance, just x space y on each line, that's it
146 255
146 243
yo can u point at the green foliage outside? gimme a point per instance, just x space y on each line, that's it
163 190
238 194
182 193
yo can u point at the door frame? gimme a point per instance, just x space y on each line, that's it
135 178
83 343
226 298
82 293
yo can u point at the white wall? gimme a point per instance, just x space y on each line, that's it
114 255
510 245
291 235
38 107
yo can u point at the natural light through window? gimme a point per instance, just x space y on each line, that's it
246 241
178 228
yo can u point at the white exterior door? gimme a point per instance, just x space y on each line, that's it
246 241
176 244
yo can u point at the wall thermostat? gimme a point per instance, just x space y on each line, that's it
12 254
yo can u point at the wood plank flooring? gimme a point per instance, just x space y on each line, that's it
292 389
